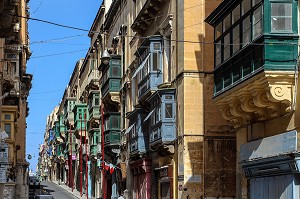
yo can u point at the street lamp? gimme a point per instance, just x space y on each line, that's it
105 57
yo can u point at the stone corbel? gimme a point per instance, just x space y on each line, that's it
248 105
115 97
227 115
237 111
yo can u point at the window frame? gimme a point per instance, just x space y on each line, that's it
291 17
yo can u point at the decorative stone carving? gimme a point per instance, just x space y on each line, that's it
263 97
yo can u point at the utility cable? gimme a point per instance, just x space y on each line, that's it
56 54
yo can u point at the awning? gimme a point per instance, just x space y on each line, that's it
129 128
141 66
148 116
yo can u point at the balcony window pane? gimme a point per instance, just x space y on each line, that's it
218 30
246 65
236 38
236 14
97 102
218 53
115 71
7 129
169 110
156 46
257 22
246 31
114 122
218 83
155 61
254 2
281 15
246 5
227 78
7 117
226 46
227 22
236 72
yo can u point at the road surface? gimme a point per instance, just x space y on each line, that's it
55 190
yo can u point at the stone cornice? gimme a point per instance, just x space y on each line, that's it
263 97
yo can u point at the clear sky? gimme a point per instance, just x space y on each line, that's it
51 72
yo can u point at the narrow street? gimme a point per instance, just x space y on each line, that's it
49 188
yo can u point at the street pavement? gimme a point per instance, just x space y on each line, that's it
50 188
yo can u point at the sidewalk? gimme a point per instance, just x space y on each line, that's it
68 189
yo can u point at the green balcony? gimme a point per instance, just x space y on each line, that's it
93 150
94 107
256 52
111 79
112 138
80 119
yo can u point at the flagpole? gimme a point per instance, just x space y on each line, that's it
102 153
80 158
86 158
71 159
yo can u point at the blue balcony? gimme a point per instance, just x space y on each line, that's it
138 131
163 116
149 70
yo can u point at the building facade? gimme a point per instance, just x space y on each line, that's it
139 108
256 89
14 90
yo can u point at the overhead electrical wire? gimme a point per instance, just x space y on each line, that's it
56 54
145 37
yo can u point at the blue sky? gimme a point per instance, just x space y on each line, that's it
51 73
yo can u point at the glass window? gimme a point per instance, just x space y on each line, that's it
227 78
281 16
218 53
254 2
246 31
115 122
115 71
236 38
156 46
226 46
236 71
218 30
7 117
246 6
246 65
227 22
156 61
7 129
97 101
169 110
257 22
236 14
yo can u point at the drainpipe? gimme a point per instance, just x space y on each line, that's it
86 160
102 154
80 157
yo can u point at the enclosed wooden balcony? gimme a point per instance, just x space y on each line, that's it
111 80
112 129
138 131
162 117
256 52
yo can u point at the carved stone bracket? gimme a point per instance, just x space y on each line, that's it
263 97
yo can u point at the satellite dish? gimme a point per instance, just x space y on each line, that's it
3 135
